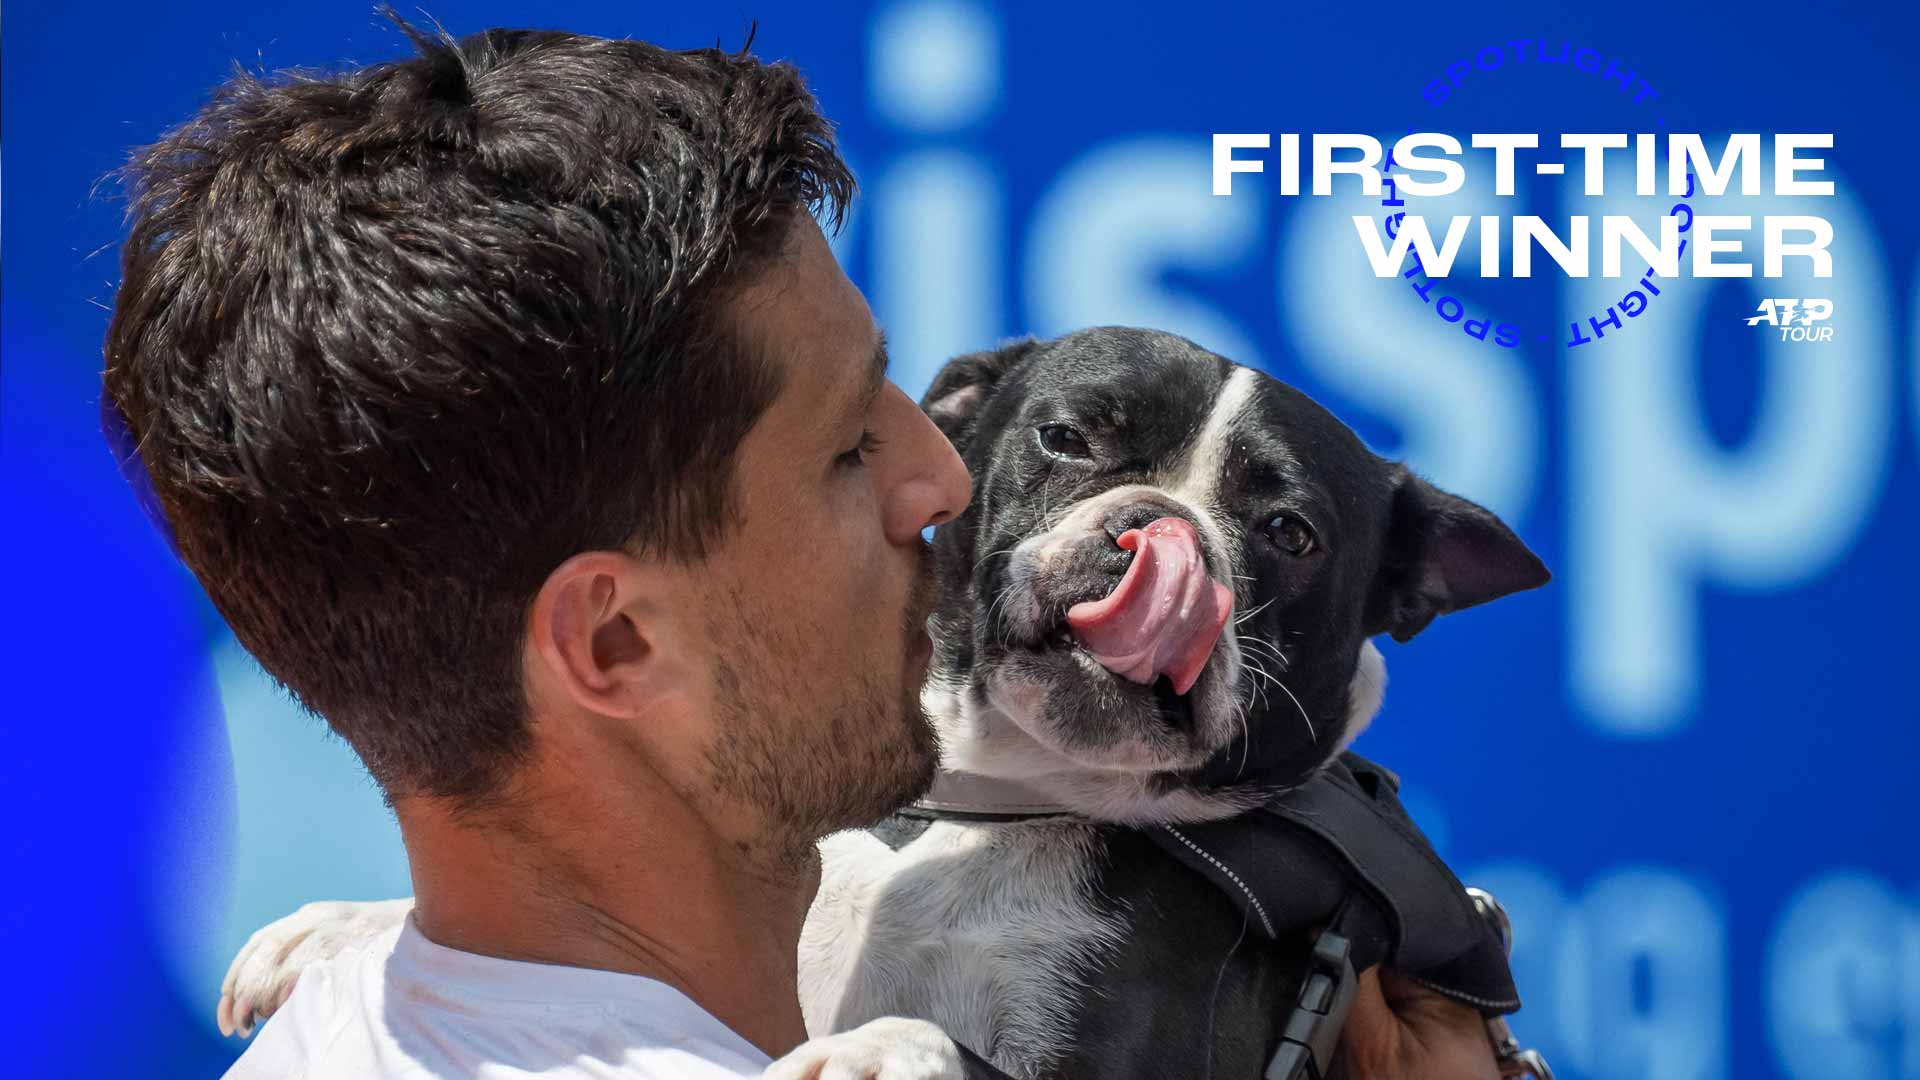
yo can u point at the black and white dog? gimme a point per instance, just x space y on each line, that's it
1158 610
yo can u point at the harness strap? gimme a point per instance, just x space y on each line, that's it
1337 856
1340 852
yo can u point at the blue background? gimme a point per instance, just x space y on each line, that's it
1685 765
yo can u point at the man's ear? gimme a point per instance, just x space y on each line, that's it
594 635
962 388
1444 554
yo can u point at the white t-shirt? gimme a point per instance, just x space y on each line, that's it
405 1008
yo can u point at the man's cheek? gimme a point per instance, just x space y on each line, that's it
801 568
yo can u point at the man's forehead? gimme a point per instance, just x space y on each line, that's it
810 323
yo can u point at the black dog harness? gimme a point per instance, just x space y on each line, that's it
1337 856
1340 852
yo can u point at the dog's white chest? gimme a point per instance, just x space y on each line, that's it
986 930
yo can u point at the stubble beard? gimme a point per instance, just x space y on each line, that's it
876 753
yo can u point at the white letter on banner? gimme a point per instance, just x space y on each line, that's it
1503 147
1453 174
1387 258
1225 164
1787 166
1367 168
1743 153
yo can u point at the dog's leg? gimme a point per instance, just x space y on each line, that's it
890 1048
263 974
834 940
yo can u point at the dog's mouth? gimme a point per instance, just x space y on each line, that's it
1057 640
1140 641
1174 707
1166 614
1104 648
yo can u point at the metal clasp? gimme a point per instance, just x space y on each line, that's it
1507 1053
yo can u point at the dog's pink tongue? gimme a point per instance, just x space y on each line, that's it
1166 614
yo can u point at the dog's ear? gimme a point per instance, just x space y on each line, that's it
1444 553
962 388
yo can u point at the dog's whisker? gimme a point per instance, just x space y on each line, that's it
1268 677
1246 735
1265 677
1272 651
992 554
1250 639
1252 611
1003 597
1279 657
1311 733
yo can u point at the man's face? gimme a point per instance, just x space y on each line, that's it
820 594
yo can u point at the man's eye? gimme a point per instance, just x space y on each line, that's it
857 456
1291 535
1062 441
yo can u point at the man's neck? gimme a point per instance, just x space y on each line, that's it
560 878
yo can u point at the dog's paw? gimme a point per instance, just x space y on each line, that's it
263 973
890 1048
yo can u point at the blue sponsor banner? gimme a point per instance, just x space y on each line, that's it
1686 766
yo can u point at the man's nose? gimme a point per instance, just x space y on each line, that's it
934 487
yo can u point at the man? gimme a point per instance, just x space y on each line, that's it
510 406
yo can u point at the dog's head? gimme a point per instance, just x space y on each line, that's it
1293 541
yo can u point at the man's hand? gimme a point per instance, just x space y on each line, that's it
1400 1030
890 1048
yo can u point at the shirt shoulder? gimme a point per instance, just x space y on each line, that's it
318 1033
405 1008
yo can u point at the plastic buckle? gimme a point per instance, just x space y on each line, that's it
1312 1030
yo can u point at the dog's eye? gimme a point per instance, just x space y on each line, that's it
1291 535
1061 440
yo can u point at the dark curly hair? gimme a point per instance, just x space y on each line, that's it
394 342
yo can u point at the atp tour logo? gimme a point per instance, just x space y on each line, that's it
1795 317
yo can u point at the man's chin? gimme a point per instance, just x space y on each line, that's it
927 761
910 772
858 776
918 767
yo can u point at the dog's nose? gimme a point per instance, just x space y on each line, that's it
1138 515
